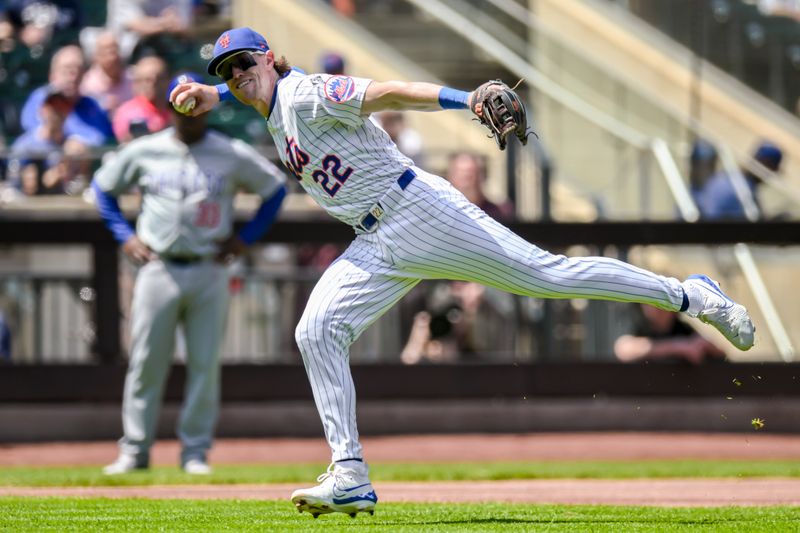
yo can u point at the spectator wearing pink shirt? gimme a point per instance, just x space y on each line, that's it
108 80
147 111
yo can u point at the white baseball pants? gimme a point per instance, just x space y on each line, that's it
431 231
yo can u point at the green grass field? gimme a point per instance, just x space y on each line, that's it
56 514
230 474
73 514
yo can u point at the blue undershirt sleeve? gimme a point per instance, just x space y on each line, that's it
453 98
263 218
224 92
111 214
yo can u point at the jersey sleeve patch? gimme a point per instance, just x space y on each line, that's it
340 88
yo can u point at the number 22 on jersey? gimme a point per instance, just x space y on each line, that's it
332 174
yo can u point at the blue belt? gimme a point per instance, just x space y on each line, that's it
376 212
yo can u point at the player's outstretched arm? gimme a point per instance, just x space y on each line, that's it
417 96
205 98
495 104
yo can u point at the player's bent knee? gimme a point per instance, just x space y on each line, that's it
313 335
301 335
308 334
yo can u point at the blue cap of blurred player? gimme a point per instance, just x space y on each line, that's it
769 155
185 77
233 41
703 150
332 63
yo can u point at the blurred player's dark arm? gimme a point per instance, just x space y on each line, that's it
123 233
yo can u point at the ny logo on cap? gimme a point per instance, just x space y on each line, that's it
224 41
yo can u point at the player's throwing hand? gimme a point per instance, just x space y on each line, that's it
205 98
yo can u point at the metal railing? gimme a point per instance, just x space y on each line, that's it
51 320
460 24
525 16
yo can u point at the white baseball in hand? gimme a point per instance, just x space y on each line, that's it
187 106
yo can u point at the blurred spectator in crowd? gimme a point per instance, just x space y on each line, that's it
6 32
461 319
5 338
467 172
659 335
146 112
407 140
40 22
44 160
86 121
702 164
717 199
143 22
211 9
780 8
3 160
345 7
108 79
332 63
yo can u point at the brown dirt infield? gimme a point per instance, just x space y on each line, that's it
442 448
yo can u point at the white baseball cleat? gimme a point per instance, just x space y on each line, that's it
342 489
708 303
196 467
124 464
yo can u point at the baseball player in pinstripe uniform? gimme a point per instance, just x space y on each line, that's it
188 177
410 225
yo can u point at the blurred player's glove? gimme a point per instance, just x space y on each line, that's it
499 108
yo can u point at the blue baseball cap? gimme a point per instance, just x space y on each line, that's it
703 150
185 77
332 63
233 41
769 155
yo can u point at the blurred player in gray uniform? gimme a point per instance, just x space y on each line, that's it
188 177
410 225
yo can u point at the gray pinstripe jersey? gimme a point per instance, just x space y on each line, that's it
187 191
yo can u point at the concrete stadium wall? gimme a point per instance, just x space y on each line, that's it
91 421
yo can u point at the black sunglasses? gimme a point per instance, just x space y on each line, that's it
243 60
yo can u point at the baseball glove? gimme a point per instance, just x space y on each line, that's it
499 108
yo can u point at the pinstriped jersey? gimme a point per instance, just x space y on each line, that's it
342 159
187 190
